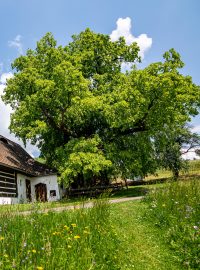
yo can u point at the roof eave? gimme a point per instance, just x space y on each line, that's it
25 172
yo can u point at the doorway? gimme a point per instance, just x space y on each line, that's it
41 192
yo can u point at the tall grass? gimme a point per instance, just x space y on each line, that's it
194 166
176 210
80 239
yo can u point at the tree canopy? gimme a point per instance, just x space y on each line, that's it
89 118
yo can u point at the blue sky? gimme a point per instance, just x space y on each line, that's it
168 23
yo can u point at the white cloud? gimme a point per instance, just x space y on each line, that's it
4 77
5 111
124 29
190 155
16 43
196 129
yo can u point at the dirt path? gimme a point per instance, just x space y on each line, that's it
78 206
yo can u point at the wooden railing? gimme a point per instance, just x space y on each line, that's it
93 191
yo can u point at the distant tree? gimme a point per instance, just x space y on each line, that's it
89 119
172 144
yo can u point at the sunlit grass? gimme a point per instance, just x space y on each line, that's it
193 169
141 245
104 237
40 206
175 210
77 239
160 233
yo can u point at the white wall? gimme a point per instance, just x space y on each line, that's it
50 181
21 185
52 184
7 200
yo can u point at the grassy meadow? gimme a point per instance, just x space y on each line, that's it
103 237
175 210
162 231
69 240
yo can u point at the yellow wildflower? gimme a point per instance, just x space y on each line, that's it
74 225
66 227
69 246
5 255
86 232
77 237
1 238
40 268
56 233
34 251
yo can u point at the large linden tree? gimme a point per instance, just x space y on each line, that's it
91 120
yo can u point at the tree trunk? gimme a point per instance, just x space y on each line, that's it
175 174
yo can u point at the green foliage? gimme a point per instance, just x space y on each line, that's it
81 157
41 160
175 210
77 95
171 144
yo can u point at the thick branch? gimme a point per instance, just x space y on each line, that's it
53 124
188 150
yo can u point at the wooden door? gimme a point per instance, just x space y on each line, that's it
41 192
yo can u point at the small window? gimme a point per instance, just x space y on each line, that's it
52 193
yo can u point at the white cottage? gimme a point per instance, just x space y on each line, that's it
22 179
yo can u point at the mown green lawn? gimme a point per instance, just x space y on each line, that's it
141 244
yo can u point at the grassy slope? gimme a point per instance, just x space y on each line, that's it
193 169
142 246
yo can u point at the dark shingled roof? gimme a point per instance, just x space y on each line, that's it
14 156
